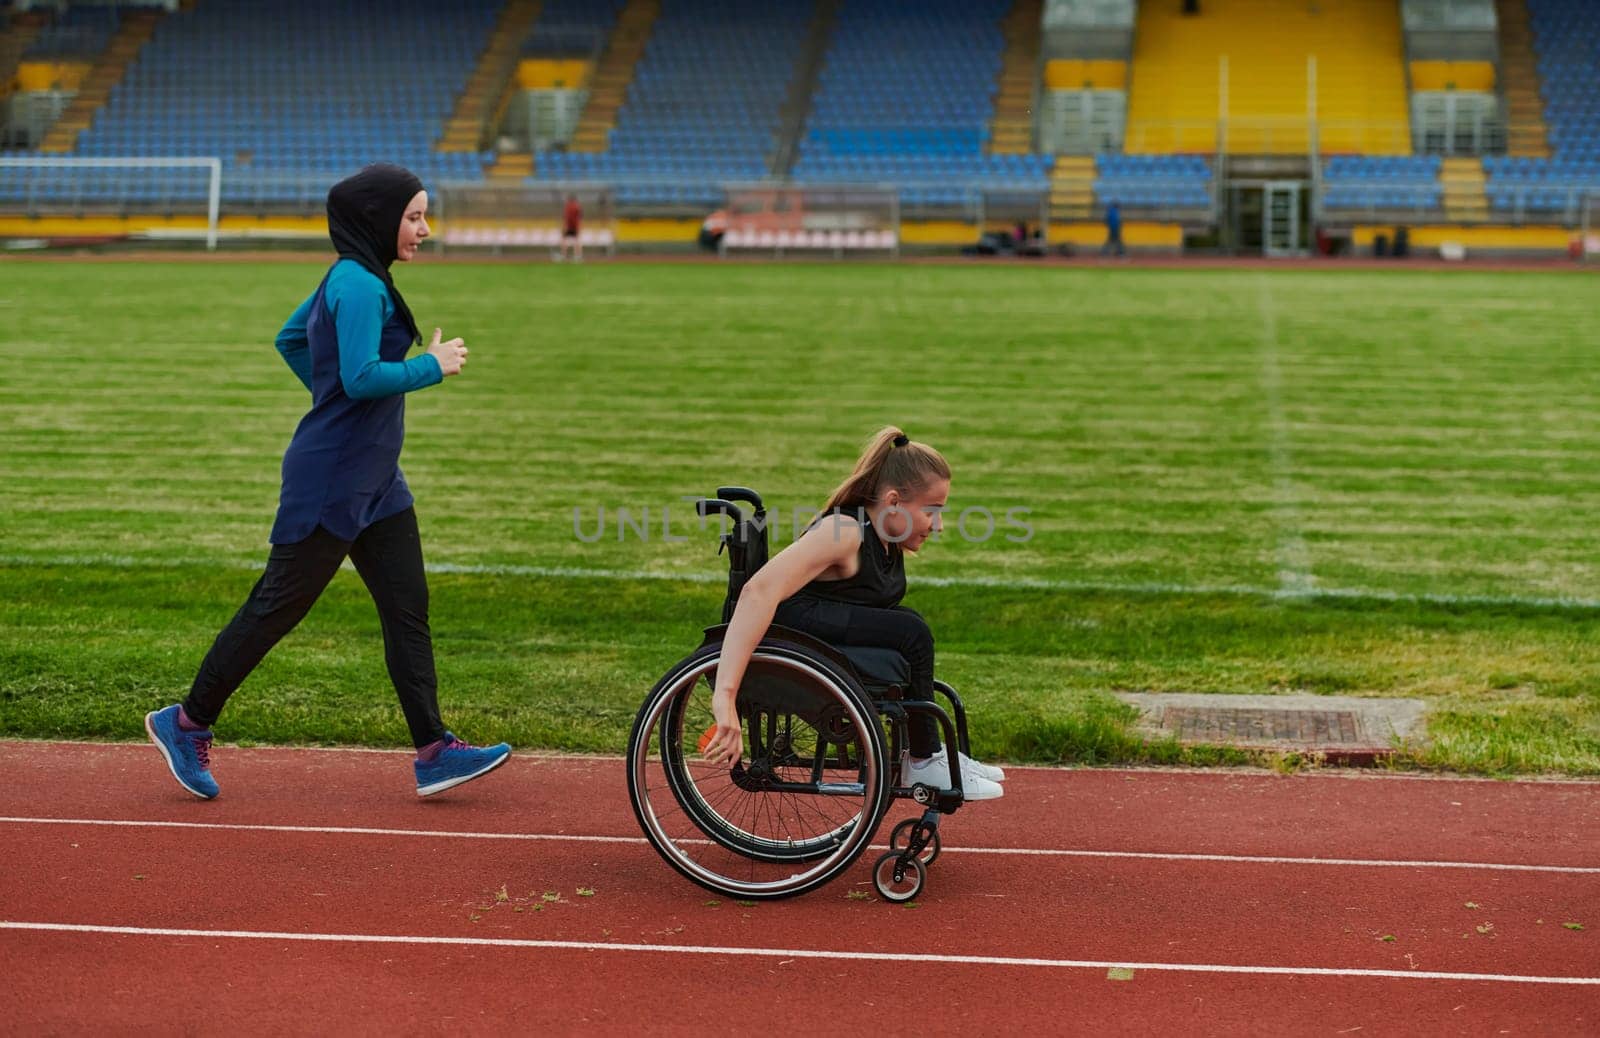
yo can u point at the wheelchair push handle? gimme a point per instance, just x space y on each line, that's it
717 506
745 494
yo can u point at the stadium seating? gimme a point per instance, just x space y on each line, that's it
1567 42
1542 186
906 94
1361 92
1368 183
292 94
1153 181
278 92
78 32
704 104
576 27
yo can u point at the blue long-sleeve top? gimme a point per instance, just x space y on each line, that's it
346 344
360 306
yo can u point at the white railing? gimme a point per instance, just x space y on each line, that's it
1449 14
30 114
1449 122
1088 14
1082 122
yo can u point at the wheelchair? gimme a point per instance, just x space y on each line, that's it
825 734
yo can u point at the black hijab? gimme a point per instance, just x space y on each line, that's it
364 214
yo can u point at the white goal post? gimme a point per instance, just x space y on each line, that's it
84 186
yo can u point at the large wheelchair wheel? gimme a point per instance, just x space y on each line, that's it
803 802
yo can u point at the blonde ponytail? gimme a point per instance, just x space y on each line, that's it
891 460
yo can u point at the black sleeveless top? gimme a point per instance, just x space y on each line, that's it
880 580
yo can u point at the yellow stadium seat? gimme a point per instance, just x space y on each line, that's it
1452 75
552 74
1073 74
51 75
1177 95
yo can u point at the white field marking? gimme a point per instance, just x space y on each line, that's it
1042 852
793 953
999 583
1294 558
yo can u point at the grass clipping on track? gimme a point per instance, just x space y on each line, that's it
1366 484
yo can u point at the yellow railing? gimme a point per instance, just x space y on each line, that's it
1157 137
1362 138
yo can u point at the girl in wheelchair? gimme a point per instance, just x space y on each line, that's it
842 581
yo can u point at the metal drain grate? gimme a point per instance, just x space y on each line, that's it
1236 726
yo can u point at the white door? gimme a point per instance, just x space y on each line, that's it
1280 218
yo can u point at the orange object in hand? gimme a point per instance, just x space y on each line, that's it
705 739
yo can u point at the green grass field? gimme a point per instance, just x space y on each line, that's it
1357 483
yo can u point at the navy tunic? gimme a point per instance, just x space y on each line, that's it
342 469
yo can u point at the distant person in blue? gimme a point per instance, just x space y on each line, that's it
343 493
1113 229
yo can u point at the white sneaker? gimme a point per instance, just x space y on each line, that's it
935 771
988 771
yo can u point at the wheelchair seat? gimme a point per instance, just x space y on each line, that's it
877 667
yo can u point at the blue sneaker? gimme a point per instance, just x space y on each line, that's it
457 763
188 753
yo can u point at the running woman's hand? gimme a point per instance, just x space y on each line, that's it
450 355
727 738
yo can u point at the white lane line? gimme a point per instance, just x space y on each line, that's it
1043 852
978 581
795 953
335 829
1264 859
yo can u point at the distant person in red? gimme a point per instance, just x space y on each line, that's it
571 230
712 230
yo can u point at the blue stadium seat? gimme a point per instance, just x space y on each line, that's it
704 104
1566 41
906 94
278 92
80 33
1387 182
1153 181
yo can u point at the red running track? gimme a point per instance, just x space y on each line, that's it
1113 901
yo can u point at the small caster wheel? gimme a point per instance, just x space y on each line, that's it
896 879
900 839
